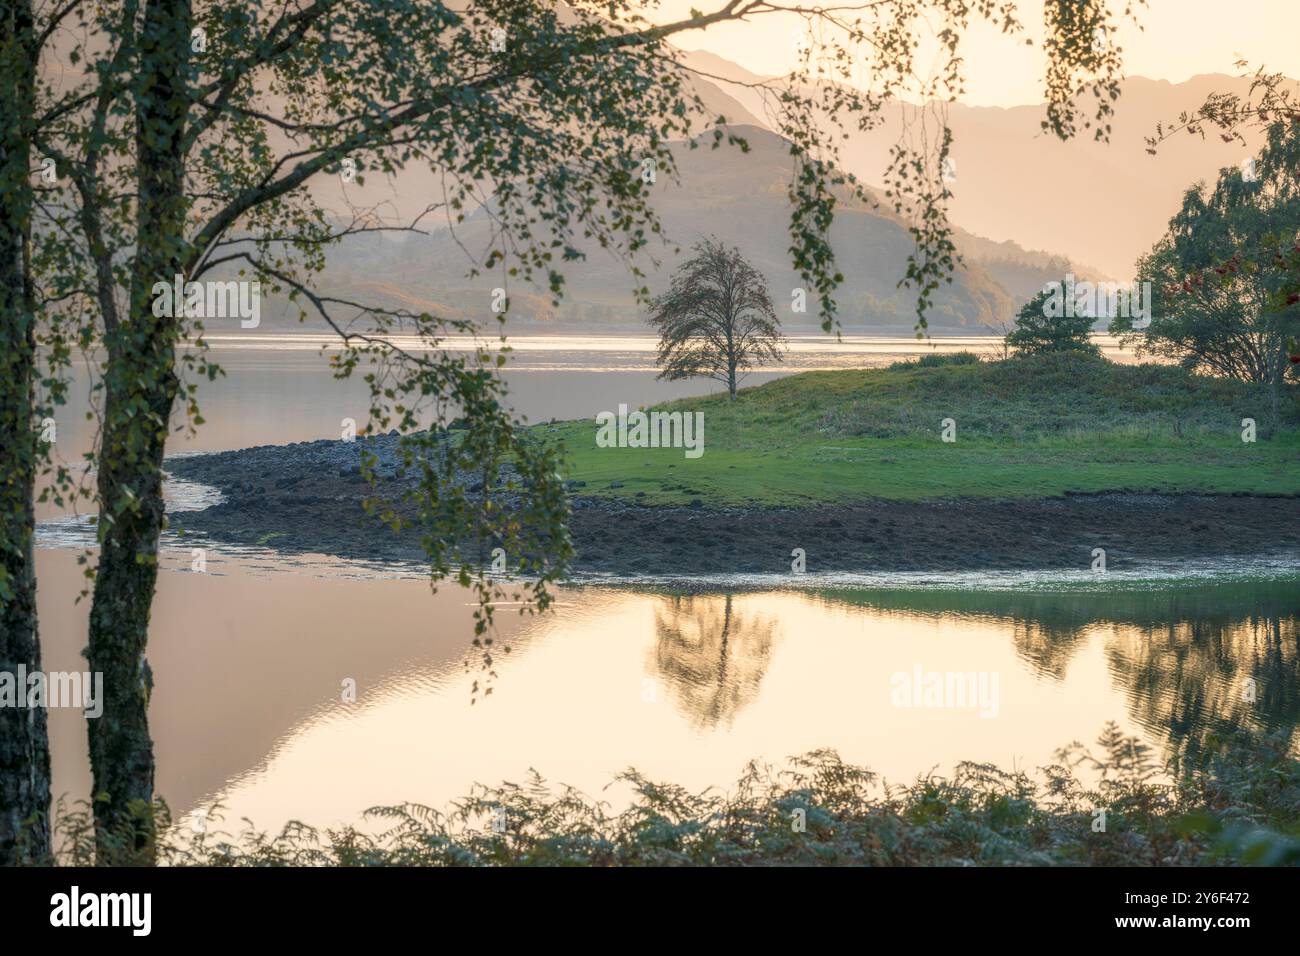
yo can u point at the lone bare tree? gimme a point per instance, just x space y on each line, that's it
717 319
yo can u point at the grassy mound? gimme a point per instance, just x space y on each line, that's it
1034 426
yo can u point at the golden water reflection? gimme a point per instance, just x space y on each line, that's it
1192 660
249 660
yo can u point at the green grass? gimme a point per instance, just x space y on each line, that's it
1030 427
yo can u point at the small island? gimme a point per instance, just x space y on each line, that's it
1051 457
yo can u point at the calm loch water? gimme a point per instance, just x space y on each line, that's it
252 658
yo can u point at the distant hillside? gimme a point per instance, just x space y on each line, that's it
740 197
1021 272
1103 204
1027 209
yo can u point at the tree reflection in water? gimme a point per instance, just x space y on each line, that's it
711 656
1197 678
1192 660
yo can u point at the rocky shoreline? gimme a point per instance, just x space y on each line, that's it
306 497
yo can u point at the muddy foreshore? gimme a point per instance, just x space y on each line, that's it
306 497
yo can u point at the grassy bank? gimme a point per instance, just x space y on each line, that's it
1028 427
1239 805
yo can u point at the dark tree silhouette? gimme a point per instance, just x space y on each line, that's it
717 319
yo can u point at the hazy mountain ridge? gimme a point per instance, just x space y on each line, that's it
1125 198
740 197
1015 182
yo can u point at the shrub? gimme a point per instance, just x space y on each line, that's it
939 359
1237 804
1037 331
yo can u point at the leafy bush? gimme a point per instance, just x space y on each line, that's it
939 359
1038 332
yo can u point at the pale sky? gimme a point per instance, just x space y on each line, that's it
1179 39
